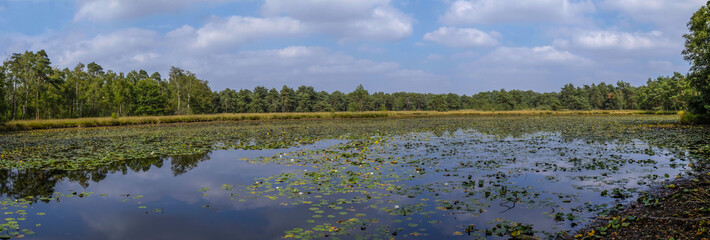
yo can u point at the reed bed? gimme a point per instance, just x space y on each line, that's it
136 120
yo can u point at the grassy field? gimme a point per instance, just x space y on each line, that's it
110 121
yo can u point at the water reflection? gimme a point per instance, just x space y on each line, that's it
433 184
38 183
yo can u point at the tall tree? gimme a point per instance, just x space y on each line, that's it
3 86
305 99
258 103
19 67
243 100
149 101
697 45
287 99
94 69
273 99
42 71
359 96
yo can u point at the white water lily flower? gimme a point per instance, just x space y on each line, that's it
396 206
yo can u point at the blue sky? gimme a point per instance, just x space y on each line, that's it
436 46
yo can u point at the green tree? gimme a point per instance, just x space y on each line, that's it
360 97
3 104
439 103
258 100
188 93
697 52
156 76
273 99
228 101
322 102
178 80
339 101
122 91
287 99
243 100
149 101
20 67
305 99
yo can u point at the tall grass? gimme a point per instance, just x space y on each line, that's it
689 118
118 121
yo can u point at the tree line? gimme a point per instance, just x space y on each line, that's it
31 89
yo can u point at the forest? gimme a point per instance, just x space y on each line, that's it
30 88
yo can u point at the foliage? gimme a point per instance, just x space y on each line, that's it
148 98
91 91
697 42
3 105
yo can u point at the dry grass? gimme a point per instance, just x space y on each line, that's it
108 121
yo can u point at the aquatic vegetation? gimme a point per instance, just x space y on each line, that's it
495 176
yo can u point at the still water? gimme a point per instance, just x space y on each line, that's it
419 185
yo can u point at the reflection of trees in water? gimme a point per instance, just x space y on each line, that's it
594 130
181 164
42 182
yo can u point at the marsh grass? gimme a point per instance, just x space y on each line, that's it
689 118
137 120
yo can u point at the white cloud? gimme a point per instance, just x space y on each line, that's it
517 11
669 15
542 68
615 44
123 48
315 66
534 56
235 31
133 49
345 19
620 40
323 10
107 10
462 37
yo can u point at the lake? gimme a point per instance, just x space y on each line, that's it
436 177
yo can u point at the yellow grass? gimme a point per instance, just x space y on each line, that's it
108 121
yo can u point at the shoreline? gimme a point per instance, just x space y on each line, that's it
20 125
677 209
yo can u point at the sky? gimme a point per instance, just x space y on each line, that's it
427 46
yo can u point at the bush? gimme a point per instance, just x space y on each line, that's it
689 118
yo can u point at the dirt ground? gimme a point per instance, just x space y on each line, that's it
677 210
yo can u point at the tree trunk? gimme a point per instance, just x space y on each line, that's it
76 99
178 96
24 107
37 100
14 99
